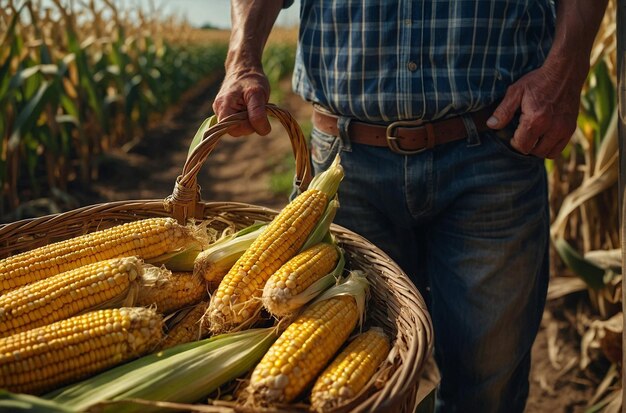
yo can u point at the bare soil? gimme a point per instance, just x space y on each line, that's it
239 169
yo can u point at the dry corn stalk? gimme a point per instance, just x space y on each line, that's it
306 346
103 284
44 358
237 299
170 291
350 371
147 239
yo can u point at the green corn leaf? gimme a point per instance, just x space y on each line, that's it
10 32
131 92
27 118
249 229
30 86
182 374
86 77
5 76
322 227
208 123
22 76
604 97
28 78
14 403
69 106
154 90
593 275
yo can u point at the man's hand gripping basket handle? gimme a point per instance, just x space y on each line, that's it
184 203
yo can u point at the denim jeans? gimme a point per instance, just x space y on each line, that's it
468 221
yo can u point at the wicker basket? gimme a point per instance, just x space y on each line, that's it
395 304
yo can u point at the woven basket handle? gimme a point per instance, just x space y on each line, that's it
184 202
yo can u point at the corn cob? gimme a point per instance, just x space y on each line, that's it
147 239
44 358
237 299
170 291
296 275
306 346
191 327
99 285
350 370
303 350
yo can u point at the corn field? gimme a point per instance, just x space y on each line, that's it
77 79
585 227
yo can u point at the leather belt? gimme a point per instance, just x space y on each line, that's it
406 137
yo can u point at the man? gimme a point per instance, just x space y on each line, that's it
456 193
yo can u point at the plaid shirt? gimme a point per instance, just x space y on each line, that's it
383 60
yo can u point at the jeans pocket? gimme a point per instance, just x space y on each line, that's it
502 142
324 148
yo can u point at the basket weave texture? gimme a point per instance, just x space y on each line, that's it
394 303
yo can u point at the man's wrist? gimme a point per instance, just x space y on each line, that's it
243 61
567 65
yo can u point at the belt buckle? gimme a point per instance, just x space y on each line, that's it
392 139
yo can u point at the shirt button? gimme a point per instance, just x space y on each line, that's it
412 66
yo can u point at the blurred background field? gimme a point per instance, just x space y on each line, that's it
100 99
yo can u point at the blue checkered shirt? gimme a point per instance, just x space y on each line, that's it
383 60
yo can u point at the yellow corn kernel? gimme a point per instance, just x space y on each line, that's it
296 275
170 291
192 326
303 350
146 239
350 371
102 284
236 299
44 358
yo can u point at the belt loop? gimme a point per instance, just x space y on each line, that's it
473 137
343 123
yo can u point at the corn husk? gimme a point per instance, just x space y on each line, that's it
182 374
18 402
214 262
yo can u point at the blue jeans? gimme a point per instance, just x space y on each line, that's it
468 221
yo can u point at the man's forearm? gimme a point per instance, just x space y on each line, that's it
245 86
577 23
252 23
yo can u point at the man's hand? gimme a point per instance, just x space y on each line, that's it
245 86
548 101
548 98
244 90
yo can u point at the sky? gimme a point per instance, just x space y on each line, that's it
217 12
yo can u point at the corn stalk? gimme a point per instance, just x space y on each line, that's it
585 230
80 78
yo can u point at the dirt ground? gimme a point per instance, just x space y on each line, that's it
239 170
